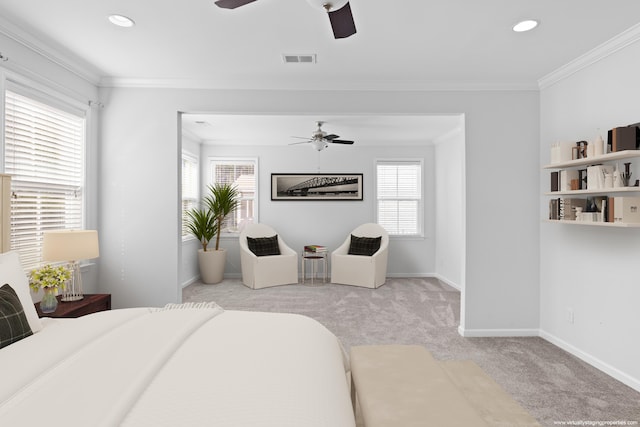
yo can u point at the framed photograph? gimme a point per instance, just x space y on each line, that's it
316 186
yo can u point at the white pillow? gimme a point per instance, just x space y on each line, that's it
11 272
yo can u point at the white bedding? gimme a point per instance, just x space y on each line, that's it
135 367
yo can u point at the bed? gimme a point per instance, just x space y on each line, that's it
177 366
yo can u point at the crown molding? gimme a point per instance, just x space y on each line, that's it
362 85
622 40
47 51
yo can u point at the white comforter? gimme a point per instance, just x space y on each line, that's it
136 367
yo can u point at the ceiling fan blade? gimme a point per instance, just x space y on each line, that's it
331 137
301 142
232 4
341 22
341 141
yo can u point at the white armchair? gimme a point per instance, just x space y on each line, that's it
270 270
361 270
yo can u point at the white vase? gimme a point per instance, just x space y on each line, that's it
211 265
599 146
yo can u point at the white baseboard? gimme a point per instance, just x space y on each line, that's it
190 281
634 383
478 333
443 279
408 275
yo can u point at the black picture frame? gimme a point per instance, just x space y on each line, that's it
316 186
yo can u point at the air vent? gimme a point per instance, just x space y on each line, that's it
299 59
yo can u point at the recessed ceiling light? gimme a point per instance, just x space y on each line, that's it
526 25
121 21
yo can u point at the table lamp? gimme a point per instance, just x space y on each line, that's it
70 246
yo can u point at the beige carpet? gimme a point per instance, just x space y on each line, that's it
552 385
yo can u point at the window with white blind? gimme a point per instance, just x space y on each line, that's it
190 171
241 173
399 196
44 149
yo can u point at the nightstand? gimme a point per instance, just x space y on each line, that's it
91 303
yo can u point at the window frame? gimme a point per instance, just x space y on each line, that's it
420 220
194 158
211 160
43 94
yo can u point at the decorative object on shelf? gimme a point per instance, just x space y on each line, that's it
71 246
49 279
582 179
626 175
578 213
617 178
580 150
599 146
626 209
318 186
596 175
608 180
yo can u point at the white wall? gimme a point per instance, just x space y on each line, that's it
330 222
139 175
593 271
450 208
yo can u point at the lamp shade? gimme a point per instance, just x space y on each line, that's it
70 245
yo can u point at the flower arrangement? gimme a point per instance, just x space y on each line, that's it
49 277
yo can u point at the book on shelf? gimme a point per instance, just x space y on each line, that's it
315 248
555 181
624 138
568 207
554 208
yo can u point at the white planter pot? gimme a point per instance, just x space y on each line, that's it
211 265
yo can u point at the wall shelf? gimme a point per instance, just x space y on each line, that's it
609 193
594 192
619 155
595 224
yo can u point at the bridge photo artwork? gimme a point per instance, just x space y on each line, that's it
316 186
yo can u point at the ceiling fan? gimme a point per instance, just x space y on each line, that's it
339 13
320 140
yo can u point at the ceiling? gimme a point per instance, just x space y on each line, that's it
403 45
369 130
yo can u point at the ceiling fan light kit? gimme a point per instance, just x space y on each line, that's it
320 140
327 5
339 12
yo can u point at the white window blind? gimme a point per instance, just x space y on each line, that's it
399 196
242 174
190 172
44 154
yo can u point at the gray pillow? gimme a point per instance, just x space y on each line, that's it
13 322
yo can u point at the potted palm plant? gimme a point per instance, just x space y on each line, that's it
206 223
